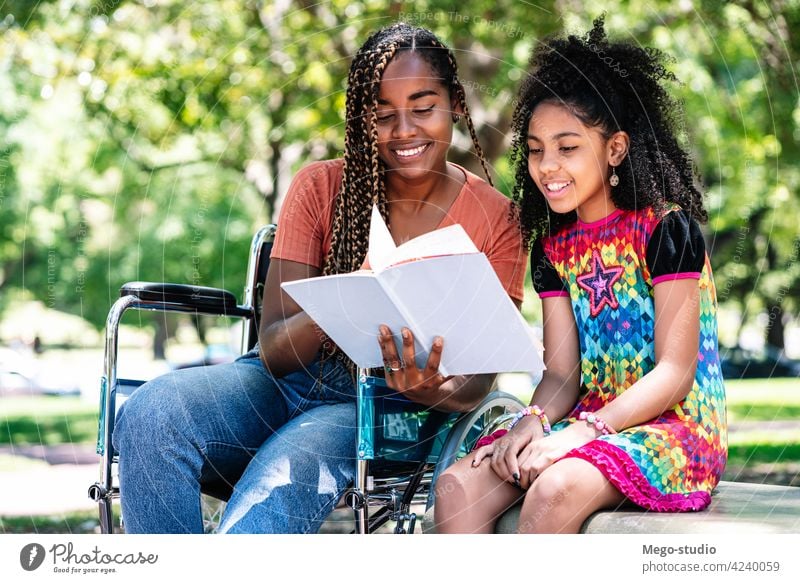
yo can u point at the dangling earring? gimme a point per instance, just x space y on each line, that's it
614 179
456 118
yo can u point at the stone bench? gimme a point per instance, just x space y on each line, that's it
736 507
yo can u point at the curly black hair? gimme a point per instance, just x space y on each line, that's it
610 86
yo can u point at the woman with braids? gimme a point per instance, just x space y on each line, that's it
632 388
278 426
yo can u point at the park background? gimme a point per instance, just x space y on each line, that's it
148 140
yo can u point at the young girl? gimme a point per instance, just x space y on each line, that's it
633 386
278 426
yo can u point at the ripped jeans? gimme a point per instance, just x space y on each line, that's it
286 446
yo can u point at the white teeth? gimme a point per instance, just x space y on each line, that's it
411 152
553 186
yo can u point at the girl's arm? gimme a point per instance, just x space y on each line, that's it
676 345
288 338
556 393
677 331
558 390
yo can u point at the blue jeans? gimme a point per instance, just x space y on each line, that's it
292 444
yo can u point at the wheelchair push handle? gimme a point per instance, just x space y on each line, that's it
207 300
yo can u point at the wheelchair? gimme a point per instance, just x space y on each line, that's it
401 447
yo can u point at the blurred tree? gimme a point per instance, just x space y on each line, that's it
744 64
146 139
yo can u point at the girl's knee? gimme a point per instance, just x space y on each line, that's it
451 498
550 490
546 498
454 481
450 481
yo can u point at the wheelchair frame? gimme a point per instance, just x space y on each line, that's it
391 495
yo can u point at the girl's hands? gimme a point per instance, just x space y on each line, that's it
402 374
539 455
505 451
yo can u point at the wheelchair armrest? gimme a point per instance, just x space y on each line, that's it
207 300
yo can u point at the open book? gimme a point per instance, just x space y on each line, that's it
437 284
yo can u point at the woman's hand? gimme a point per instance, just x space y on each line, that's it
537 456
505 450
402 375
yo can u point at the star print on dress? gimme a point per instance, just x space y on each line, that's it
599 283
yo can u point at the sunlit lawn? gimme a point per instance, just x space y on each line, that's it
763 399
47 420
752 445
54 420
84 522
756 449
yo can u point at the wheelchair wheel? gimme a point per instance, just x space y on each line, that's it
495 410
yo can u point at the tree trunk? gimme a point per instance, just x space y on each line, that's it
775 326
160 338
201 327
275 169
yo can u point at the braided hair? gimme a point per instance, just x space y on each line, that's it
363 184
363 181
610 86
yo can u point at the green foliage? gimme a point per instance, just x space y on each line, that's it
148 140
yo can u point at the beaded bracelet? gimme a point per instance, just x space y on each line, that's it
598 423
532 410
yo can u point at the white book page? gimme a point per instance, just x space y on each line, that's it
350 308
452 240
384 253
460 298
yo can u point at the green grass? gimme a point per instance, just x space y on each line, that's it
754 400
747 454
84 522
759 446
763 412
763 399
53 420
761 391
17 463
46 421
772 386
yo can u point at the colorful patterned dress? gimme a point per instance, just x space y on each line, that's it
608 270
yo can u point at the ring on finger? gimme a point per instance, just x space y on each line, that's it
393 369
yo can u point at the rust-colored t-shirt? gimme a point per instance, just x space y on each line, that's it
304 224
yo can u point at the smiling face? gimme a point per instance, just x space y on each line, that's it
415 124
569 162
